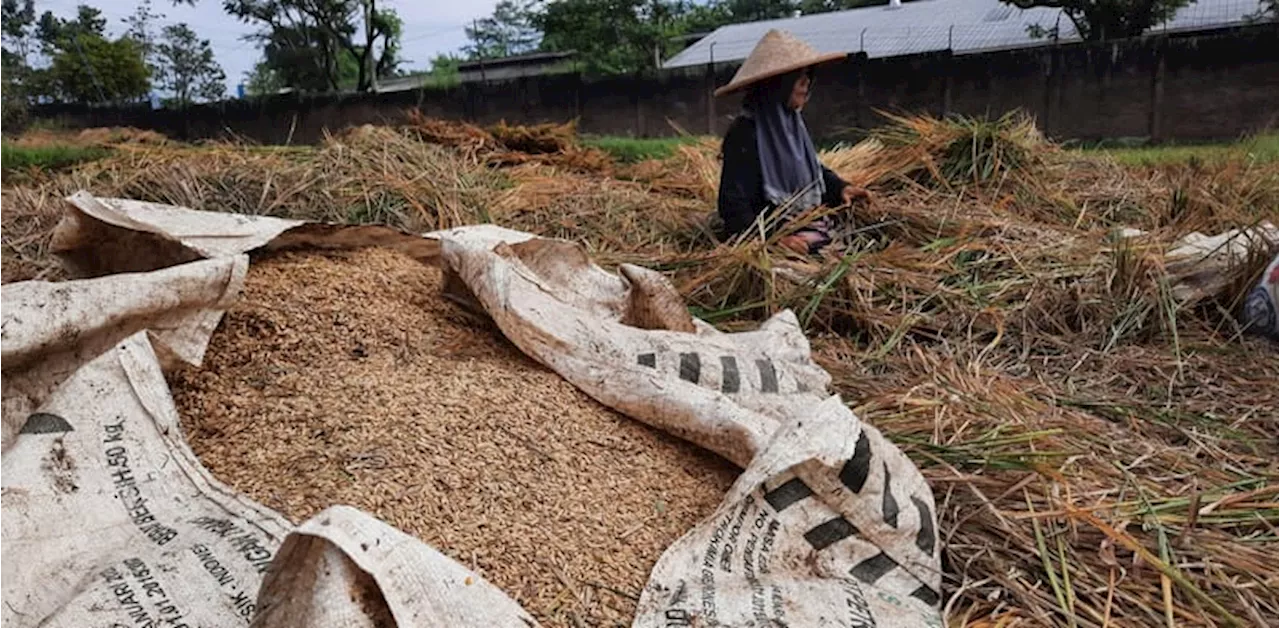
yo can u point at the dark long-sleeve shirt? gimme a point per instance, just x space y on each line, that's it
742 183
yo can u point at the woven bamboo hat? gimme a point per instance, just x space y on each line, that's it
777 53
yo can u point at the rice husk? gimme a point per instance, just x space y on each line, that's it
347 379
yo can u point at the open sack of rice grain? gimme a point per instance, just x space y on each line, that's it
476 427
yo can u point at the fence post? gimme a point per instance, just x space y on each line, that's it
859 107
1157 92
947 71
526 107
710 93
638 101
577 96
1050 87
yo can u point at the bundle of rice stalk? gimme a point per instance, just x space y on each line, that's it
469 139
537 138
958 150
374 175
1212 198
574 158
106 137
618 220
858 164
113 136
693 171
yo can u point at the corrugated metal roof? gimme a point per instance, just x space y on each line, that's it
964 26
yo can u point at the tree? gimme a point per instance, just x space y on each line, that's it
140 29
1098 20
187 68
263 80
825 6
84 65
704 18
755 10
309 43
1266 12
612 36
509 31
444 71
17 22
96 69
53 31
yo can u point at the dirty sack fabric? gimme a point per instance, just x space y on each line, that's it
828 524
829 519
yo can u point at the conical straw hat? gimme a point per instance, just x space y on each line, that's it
777 53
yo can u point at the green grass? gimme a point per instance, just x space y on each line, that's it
1260 148
51 157
634 149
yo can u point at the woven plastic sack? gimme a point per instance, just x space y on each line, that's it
829 523
1258 314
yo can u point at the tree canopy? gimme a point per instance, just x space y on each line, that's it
611 36
186 66
509 31
1098 20
621 36
324 45
17 24
84 64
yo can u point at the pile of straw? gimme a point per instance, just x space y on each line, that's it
103 137
467 138
511 145
538 138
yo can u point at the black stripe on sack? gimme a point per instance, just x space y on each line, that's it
926 594
830 532
768 376
729 382
890 505
45 423
690 367
788 493
926 538
647 359
854 472
873 568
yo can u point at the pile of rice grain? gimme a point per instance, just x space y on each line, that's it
347 379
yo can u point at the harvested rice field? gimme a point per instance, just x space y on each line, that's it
1097 425
346 378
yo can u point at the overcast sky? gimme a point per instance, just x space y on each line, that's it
431 27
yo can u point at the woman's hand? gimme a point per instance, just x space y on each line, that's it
852 193
795 244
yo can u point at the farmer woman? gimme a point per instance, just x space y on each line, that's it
769 159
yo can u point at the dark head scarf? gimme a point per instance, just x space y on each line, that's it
788 160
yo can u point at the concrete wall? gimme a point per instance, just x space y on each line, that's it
1200 87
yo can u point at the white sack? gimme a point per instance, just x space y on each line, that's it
1200 263
109 519
828 525
51 328
1258 313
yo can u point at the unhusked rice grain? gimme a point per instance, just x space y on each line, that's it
345 378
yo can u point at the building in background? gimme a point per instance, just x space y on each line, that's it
962 26
518 66
486 70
